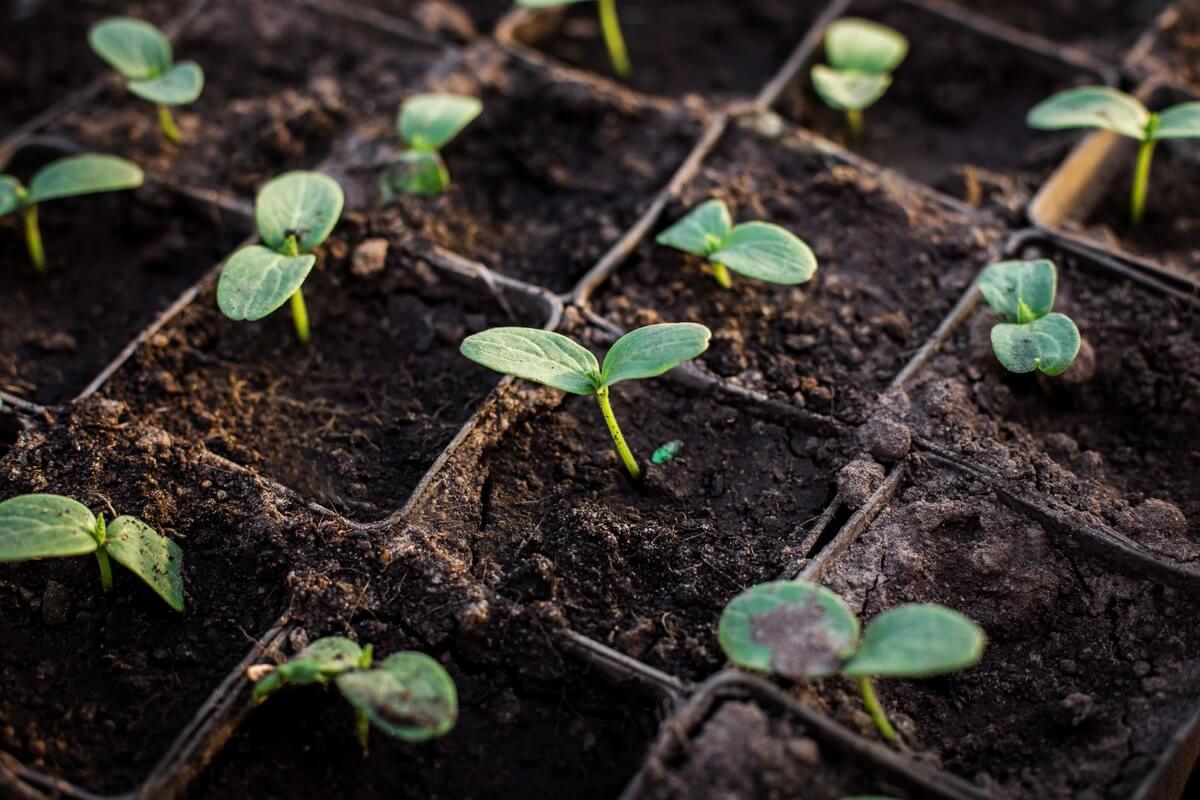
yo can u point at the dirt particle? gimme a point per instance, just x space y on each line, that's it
369 257
858 480
886 440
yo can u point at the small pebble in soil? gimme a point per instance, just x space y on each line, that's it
885 439
858 480
369 257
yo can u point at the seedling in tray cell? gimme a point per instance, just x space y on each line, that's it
1112 110
862 56
142 55
754 249
610 26
294 213
408 695
801 631
34 526
67 177
556 360
1032 337
427 123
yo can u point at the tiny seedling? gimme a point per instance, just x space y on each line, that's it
408 695
558 361
142 55
862 56
34 526
294 213
801 631
427 123
610 26
1113 110
754 249
1031 337
66 177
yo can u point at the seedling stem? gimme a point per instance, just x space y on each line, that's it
721 273
611 27
854 120
101 534
33 238
618 439
167 123
299 309
1141 180
875 709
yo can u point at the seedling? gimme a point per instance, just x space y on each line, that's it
558 361
799 630
34 526
427 123
754 249
1113 110
294 213
142 55
408 695
1031 337
67 177
862 56
610 26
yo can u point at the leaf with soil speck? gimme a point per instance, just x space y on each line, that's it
409 696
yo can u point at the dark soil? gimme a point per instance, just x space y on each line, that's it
1180 44
834 343
459 20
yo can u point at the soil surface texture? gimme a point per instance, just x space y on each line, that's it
1104 28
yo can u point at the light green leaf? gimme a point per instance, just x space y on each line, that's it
702 231
917 640
319 662
860 45
848 91
536 355
409 696
1020 291
1048 344
10 201
767 252
1179 122
83 174
256 280
417 172
180 86
791 628
306 204
45 526
652 350
1091 107
132 47
429 121
148 554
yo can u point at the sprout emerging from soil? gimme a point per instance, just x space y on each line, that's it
754 249
427 123
67 177
294 213
801 631
142 55
610 26
556 360
1031 337
34 526
1111 110
408 695
862 56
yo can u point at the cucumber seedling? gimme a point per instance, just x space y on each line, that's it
1109 109
408 695
754 249
427 123
559 361
801 631
34 526
66 177
610 26
142 55
861 56
294 214
1031 337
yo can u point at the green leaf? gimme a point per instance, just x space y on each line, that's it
767 252
429 121
917 640
132 47
860 45
306 204
409 696
1048 344
652 350
417 172
319 662
791 628
701 232
256 280
536 355
1091 107
178 87
9 199
846 90
45 526
1020 291
1179 122
83 174
148 554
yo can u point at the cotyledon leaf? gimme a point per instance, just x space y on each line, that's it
181 85
45 526
650 351
304 204
1048 344
319 662
848 90
256 280
430 121
536 355
132 47
1178 122
409 696
83 174
1091 107
767 252
917 640
702 231
1020 291
860 45
148 554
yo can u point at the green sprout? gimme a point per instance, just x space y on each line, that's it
799 630
427 123
409 696
294 213
861 55
1112 110
34 526
754 249
556 360
610 26
67 177
142 55
1031 336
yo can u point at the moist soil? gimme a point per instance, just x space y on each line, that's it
460 20
954 117
719 49
1179 45
834 343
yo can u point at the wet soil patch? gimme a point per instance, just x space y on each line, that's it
459 20
1178 47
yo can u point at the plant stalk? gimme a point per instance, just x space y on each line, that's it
300 316
875 709
618 439
721 273
1141 181
611 27
101 537
362 730
167 123
33 239
854 120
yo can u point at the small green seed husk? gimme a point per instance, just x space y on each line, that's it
618 439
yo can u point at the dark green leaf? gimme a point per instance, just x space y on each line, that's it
536 355
179 86
408 696
151 556
304 204
701 232
917 640
652 350
1048 344
83 174
1020 291
1091 107
256 280
45 526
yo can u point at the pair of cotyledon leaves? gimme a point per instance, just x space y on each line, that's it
1113 110
861 56
69 177
143 56
1032 336
427 123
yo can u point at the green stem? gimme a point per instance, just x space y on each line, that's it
1141 181
101 536
611 26
721 273
33 238
167 123
362 729
618 439
854 120
875 709
300 316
